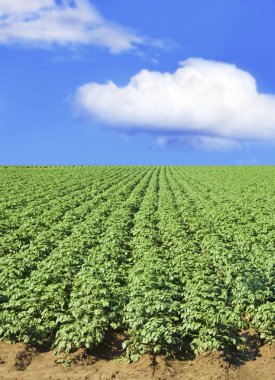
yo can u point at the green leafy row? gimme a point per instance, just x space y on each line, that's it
177 259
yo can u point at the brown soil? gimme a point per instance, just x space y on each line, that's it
19 362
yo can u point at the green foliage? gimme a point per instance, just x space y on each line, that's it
177 258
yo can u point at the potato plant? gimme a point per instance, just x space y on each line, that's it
177 259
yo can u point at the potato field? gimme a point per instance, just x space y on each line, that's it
175 259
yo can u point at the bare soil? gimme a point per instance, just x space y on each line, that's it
20 362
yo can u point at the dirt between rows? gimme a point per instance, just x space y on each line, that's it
20 362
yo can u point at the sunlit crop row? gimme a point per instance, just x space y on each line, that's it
176 259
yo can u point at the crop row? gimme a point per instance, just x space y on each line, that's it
177 259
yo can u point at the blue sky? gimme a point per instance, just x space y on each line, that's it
57 105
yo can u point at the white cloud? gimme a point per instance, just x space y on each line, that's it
19 6
206 143
216 101
63 22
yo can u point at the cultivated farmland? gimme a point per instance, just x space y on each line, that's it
175 261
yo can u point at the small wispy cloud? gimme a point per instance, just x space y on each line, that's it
205 104
65 22
205 143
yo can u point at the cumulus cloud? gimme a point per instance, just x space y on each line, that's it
64 22
215 102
